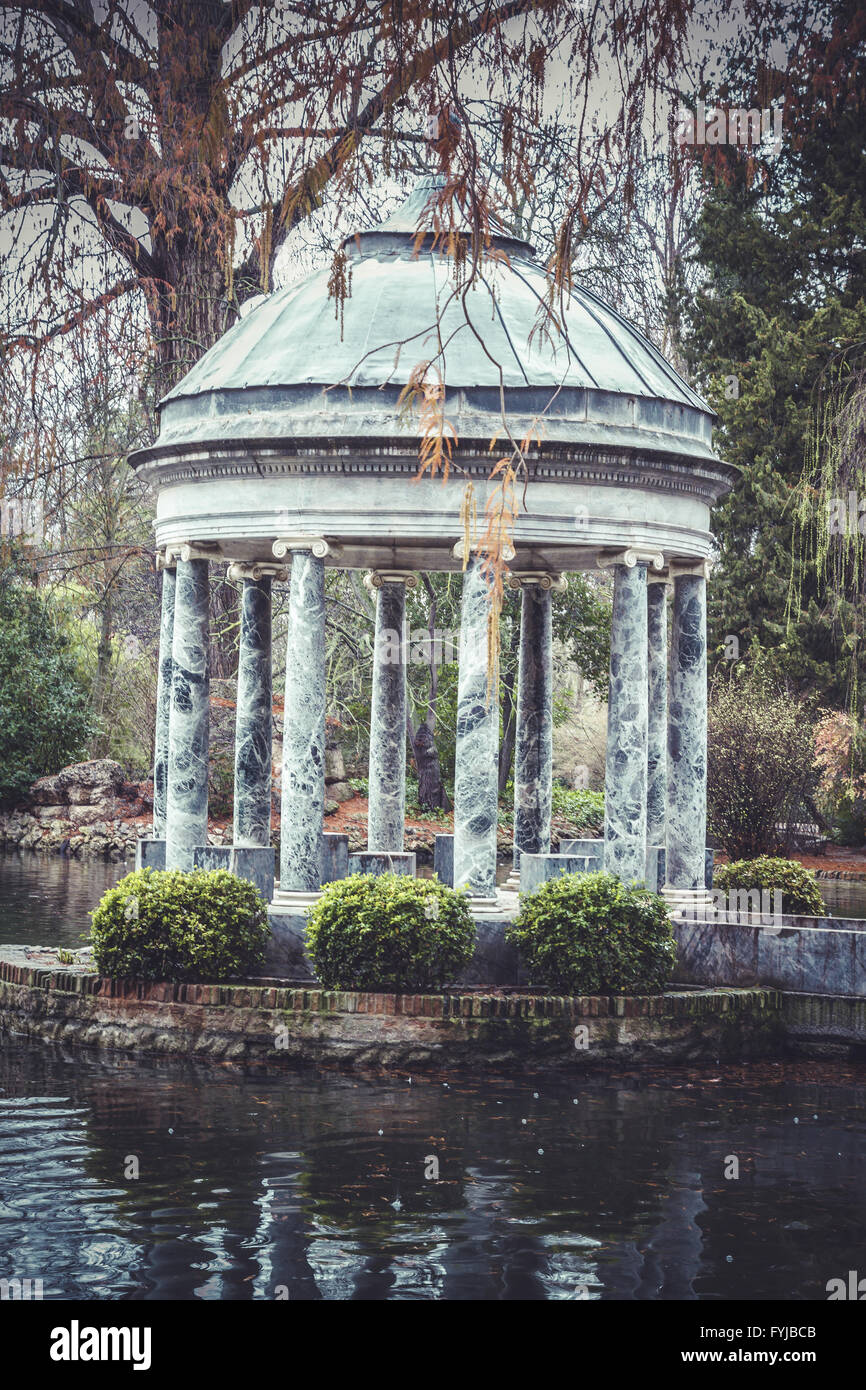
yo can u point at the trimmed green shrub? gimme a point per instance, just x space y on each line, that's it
590 934
206 925
391 933
798 886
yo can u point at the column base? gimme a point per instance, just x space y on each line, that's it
656 858
150 854
692 903
479 904
294 900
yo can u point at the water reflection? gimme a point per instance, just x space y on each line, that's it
312 1186
45 899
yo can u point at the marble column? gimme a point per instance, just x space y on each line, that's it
533 744
253 725
476 769
163 701
387 766
625 782
657 710
186 814
686 831
303 792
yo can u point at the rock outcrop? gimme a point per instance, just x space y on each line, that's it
87 809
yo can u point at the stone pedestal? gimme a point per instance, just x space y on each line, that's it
387 764
255 865
585 849
657 710
536 869
186 813
476 769
685 836
379 862
626 764
533 746
163 702
335 856
211 857
303 793
150 854
253 725
443 859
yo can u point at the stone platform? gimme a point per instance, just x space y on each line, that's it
812 955
276 1023
494 963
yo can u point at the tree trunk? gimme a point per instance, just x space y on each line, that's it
191 316
104 653
431 792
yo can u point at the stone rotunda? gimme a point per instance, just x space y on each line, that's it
285 447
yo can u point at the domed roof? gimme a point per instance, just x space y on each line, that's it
404 307
293 424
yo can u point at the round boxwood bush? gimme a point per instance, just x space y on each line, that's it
389 932
590 934
798 886
205 925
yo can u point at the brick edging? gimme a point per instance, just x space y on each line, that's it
673 1003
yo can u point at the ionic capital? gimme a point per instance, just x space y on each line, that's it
165 560
377 579
189 550
542 579
631 556
256 569
283 545
699 567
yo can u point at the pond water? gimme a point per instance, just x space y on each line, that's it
45 898
331 1186
323 1185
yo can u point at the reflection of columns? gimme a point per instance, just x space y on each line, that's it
387 766
303 793
626 763
476 767
186 814
657 712
687 735
533 746
253 726
163 698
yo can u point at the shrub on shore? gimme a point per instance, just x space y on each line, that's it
391 933
590 934
207 925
